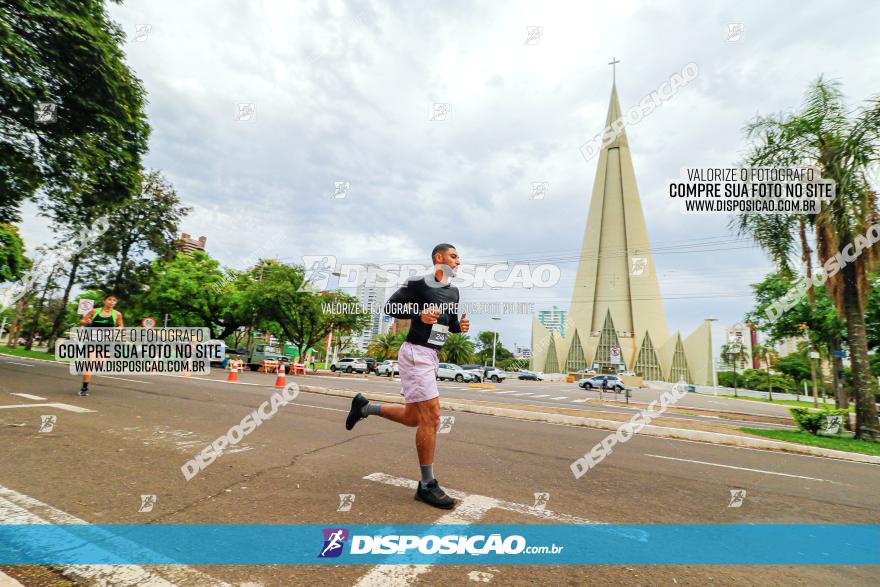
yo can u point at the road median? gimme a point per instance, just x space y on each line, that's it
693 431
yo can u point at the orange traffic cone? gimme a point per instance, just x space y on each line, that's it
233 375
279 381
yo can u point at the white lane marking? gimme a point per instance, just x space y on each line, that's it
124 379
503 392
66 407
17 508
743 469
542 395
29 396
214 380
526 393
320 407
22 364
579 401
560 397
469 510
499 504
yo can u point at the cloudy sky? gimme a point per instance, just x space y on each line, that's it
345 91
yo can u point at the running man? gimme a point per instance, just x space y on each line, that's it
431 303
106 317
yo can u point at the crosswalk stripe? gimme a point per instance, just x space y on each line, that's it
579 401
526 393
560 397
542 395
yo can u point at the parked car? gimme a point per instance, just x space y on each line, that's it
486 373
452 371
614 382
386 368
530 376
349 365
586 372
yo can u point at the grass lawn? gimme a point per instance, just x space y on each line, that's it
846 443
20 352
784 402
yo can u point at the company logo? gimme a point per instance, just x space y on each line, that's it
737 496
334 540
147 503
346 500
47 423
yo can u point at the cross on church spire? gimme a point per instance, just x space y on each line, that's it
613 63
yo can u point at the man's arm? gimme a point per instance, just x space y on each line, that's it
403 304
454 324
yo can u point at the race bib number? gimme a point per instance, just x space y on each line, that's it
438 336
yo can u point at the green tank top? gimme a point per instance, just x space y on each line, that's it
99 321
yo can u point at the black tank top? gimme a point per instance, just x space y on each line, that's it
99 321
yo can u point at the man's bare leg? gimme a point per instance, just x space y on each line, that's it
424 415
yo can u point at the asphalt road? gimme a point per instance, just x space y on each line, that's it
95 465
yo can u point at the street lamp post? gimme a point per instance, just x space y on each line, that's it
494 341
712 356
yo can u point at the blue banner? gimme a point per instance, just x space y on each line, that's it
529 544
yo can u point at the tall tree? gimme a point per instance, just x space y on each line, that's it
733 353
144 227
71 111
12 258
843 146
70 107
184 288
304 318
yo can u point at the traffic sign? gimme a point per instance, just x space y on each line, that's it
148 322
85 306
615 355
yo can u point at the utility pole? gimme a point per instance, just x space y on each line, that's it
813 356
494 341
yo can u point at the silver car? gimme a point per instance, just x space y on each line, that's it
349 365
451 371
387 368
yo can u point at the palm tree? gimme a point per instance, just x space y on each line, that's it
734 352
769 354
842 145
458 349
386 346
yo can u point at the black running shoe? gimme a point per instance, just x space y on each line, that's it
357 404
433 495
84 392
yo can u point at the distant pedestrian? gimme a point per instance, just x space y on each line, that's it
312 363
104 317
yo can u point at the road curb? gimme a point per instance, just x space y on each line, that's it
657 431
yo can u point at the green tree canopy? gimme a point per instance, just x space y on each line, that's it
194 291
144 227
12 259
304 318
72 119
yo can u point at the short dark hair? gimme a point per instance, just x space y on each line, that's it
441 248
111 295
